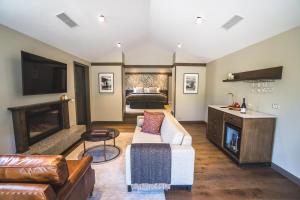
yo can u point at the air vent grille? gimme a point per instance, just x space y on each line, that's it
67 20
232 22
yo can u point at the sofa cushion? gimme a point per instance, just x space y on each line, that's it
152 122
141 137
33 169
170 132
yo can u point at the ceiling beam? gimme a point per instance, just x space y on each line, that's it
148 66
107 64
191 64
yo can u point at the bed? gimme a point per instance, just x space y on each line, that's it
146 100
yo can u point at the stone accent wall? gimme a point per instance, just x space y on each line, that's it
146 80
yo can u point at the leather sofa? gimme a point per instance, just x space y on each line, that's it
45 177
182 152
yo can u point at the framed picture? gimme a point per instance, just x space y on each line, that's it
106 82
190 83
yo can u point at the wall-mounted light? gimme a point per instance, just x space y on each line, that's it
101 18
179 45
119 45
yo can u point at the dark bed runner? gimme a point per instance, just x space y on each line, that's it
150 166
147 97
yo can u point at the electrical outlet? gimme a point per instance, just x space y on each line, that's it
275 106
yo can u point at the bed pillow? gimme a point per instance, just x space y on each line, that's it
153 89
146 90
138 90
152 122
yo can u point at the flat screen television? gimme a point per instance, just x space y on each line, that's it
42 76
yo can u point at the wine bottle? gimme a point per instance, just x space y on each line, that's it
243 107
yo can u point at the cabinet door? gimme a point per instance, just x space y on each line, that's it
215 126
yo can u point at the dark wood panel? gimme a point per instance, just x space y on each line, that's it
215 126
31 106
232 119
267 74
148 66
82 94
257 140
107 64
191 64
65 114
20 131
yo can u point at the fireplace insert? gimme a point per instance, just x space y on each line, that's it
43 122
232 140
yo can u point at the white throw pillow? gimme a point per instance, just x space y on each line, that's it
146 90
138 90
153 89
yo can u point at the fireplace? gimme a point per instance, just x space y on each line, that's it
232 140
33 123
43 122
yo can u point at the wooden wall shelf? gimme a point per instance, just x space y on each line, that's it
262 74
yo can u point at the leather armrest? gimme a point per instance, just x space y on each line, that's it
26 191
77 169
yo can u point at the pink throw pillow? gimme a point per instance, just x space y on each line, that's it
152 122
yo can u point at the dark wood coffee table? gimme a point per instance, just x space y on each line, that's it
91 136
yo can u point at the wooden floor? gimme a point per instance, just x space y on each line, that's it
218 178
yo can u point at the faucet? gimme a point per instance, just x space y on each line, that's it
232 97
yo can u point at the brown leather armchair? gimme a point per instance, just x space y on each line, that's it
42 177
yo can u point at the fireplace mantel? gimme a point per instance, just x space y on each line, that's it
20 123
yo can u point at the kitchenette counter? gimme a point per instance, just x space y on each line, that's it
249 114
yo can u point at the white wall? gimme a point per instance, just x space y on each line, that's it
190 107
11 44
148 53
114 57
183 57
170 86
279 50
106 106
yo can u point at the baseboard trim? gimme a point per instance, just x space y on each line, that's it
286 174
193 122
107 122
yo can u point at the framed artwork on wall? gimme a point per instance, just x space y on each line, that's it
106 82
190 83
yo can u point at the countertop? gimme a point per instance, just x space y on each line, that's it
249 114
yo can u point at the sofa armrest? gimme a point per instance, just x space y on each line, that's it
26 191
77 170
183 159
139 121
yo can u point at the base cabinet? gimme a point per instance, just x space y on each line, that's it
251 137
215 126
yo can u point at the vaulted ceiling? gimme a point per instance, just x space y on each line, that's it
166 22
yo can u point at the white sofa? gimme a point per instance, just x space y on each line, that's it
183 154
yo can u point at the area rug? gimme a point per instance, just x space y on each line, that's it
110 176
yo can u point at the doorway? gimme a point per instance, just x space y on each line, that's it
82 94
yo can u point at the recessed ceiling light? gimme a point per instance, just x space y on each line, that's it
199 20
179 45
101 18
119 44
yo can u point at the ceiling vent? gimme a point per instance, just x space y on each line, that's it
232 22
67 20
